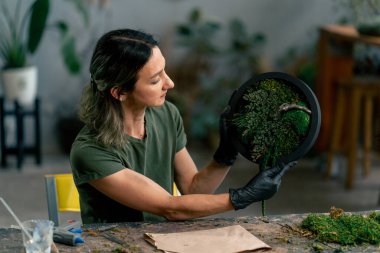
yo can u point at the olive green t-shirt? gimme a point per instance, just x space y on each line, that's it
153 157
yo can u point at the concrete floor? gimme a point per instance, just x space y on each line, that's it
303 188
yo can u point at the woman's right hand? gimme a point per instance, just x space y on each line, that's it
261 187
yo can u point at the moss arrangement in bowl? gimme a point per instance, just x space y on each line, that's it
272 121
275 119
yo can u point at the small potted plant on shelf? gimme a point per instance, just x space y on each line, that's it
16 44
22 32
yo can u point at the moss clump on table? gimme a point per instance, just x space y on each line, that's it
343 228
267 125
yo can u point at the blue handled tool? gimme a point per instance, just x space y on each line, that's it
63 236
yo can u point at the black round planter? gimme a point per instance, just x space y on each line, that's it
297 85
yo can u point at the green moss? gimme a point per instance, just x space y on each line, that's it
267 129
264 128
299 120
345 229
375 216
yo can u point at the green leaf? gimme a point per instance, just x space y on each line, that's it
210 28
184 30
40 11
195 15
62 27
68 48
16 57
70 56
258 38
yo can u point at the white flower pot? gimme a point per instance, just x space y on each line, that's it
20 84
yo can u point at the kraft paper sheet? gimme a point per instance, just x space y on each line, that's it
231 239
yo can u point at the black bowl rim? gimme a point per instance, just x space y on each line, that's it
311 99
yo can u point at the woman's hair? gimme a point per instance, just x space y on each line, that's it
118 57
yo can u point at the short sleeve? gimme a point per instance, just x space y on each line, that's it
90 161
181 139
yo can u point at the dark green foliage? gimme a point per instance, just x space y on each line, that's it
198 33
269 132
370 27
14 44
38 20
345 229
375 216
17 41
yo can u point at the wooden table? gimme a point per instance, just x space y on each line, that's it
282 233
335 62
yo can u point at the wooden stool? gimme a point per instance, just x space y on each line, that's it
355 98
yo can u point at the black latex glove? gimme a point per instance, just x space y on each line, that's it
226 153
263 186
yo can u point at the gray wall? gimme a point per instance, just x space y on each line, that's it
286 23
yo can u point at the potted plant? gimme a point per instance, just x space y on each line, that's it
77 49
241 58
196 36
16 43
21 37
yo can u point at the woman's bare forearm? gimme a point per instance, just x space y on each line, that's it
207 180
196 206
136 191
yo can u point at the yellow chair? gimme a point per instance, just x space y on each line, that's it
176 192
62 195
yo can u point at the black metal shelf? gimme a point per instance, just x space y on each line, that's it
20 149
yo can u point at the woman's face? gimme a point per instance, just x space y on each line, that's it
152 83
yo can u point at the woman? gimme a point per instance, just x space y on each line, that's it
133 145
